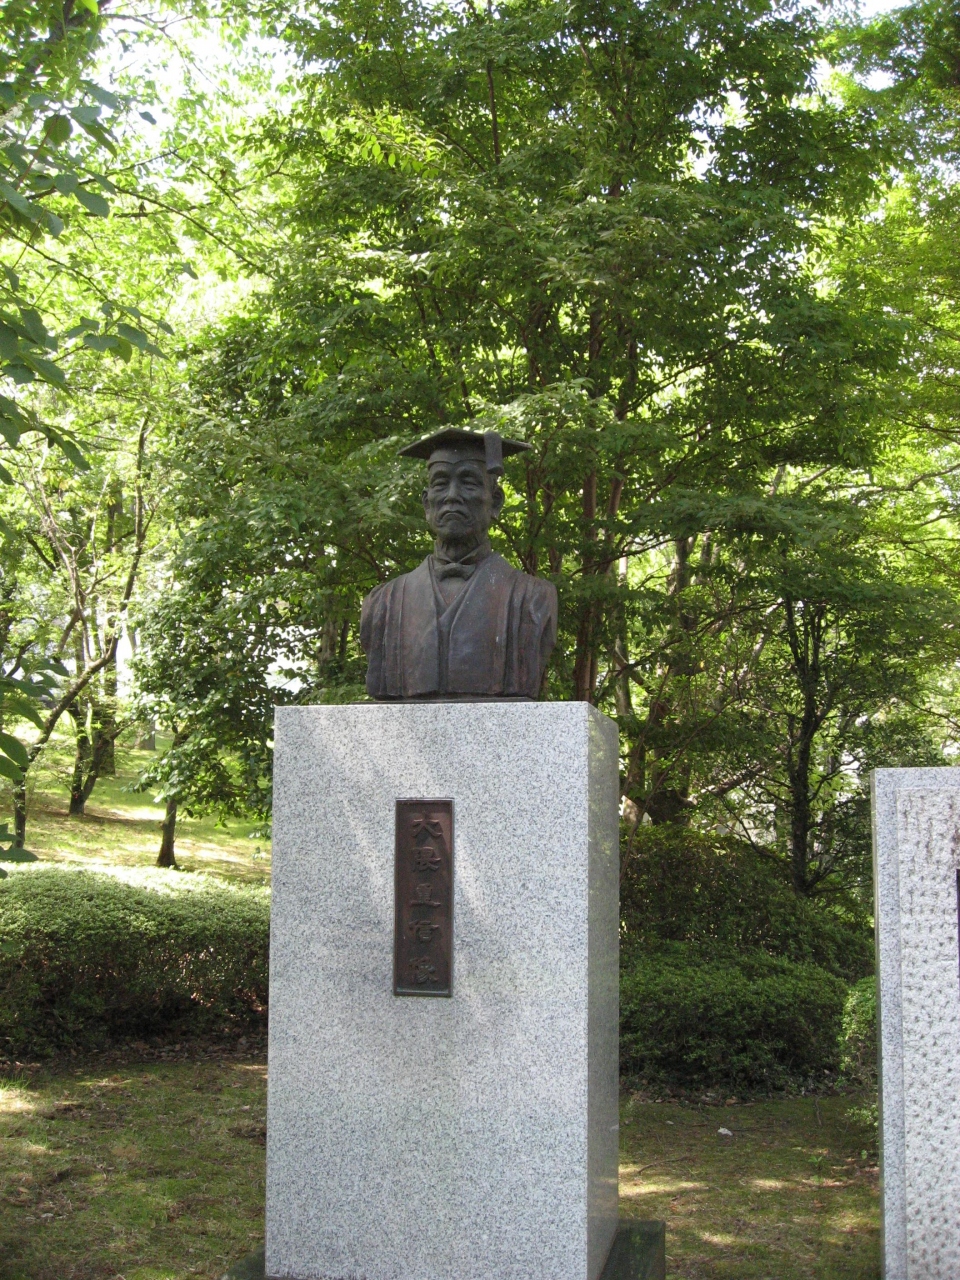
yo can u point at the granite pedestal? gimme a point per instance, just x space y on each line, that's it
639 1253
916 828
464 1138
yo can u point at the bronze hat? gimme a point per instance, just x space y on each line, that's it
491 444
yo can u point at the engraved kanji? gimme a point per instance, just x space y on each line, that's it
423 930
423 826
423 896
426 858
423 970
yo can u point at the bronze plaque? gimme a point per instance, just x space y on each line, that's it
423 937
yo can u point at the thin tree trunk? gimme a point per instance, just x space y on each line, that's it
585 656
101 746
20 815
107 720
80 762
167 857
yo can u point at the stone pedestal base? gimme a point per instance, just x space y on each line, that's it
464 1138
638 1253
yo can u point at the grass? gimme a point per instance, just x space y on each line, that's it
121 827
154 1170
137 1171
788 1193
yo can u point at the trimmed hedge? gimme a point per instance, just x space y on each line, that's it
727 976
722 895
87 956
752 1020
858 1059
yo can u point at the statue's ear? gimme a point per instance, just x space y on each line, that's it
423 499
498 500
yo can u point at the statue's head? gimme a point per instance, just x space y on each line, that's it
463 496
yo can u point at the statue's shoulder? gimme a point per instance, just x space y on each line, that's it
538 591
384 590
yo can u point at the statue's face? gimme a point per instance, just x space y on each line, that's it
461 500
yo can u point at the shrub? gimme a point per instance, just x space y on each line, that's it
85 956
858 1037
749 1020
722 895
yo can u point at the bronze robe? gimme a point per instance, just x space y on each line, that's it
492 641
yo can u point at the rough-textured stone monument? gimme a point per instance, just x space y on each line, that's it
916 828
444 937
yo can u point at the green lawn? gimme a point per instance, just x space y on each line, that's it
154 1170
790 1194
122 827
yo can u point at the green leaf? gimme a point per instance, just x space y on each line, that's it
100 341
68 446
59 129
9 342
47 370
85 326
187 270
53 224
9 770
22 708
33 323
66 183
123 349
93 203
99 134
102 95
136 336
14 748
145 115
19 202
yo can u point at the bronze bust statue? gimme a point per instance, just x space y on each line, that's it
464 625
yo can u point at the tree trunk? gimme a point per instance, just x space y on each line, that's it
105 721
166 857
585 656
20 815
102 745
800 821
669 768
80 761
805 636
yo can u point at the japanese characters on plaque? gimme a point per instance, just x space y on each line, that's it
423 937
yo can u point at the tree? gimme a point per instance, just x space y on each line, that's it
98 573
547 221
